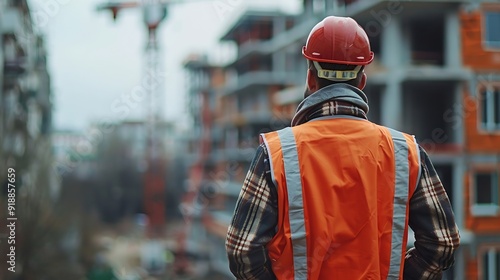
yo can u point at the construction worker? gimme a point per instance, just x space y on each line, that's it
332 196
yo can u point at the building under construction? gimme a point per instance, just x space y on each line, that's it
25 100
25 146
436 75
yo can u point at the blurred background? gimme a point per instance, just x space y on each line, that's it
130 125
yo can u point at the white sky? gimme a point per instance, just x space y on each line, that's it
93 60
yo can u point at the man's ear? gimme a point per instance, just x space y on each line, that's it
362 83
312 83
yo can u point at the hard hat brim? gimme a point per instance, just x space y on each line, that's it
361 62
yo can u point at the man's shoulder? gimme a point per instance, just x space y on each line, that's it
267 137
396 130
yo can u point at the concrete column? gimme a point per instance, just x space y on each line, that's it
452 43
391 103
391 42
329 7
457 126
391 57
460 265
278 62
332 7
278 58
279 25
459 170
308 7
1 51
2 8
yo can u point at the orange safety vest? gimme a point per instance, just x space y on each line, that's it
344 186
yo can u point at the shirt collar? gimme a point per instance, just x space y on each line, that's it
337 99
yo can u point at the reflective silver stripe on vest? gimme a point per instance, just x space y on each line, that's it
400 199
419 162
295 202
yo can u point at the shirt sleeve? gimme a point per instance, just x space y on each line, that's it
254 223
436 233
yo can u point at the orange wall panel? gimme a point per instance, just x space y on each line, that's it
475 139
483 224
474 53
472 272
477 224
218 78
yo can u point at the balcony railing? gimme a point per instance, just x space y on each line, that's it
265 78
254 47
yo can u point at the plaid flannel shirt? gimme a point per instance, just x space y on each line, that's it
255 218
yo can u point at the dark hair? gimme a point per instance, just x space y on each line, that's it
331 66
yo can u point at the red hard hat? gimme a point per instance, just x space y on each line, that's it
338 40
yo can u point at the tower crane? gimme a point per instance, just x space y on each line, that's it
154 13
